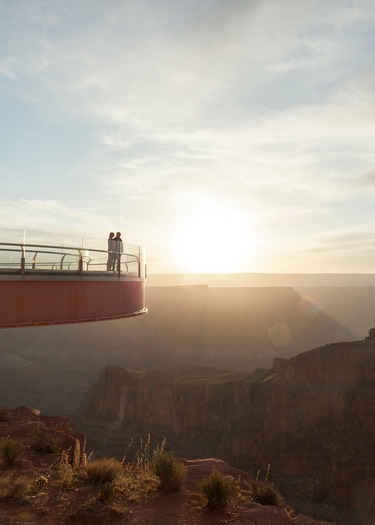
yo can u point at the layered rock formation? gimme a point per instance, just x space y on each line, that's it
311 417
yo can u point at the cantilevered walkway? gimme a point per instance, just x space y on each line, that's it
43 284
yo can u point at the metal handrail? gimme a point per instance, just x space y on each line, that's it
54 264
84 260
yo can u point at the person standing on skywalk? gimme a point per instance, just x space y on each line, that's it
119 249
111 261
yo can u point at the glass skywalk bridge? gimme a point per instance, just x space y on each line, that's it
43 284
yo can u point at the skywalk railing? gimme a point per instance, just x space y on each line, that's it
38 258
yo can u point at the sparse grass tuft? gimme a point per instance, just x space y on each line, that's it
142 457
265 492
169 470
137 480
103 470
10 450
217 490
66 472
145 455
136 484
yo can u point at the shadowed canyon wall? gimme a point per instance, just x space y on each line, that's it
311 417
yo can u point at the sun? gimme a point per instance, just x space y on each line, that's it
214 240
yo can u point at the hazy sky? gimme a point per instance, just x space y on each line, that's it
222 135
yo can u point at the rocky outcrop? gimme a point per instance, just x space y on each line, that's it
311 417
54 501
187 505
29 424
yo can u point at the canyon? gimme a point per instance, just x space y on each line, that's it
256 376
55 367
310 417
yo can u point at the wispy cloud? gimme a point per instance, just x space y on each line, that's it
48 216
267 104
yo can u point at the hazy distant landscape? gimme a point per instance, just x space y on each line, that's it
239 328
265 279
347 298
211 338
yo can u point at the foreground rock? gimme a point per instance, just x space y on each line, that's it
311 417
50 434
46 495
189 507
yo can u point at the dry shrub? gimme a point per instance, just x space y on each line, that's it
137 479
44 441
136 484
66 472
217 490
265 492
10 450
169 470
103 470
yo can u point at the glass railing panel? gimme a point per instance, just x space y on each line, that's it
44 251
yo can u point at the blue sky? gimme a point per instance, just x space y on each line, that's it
222 135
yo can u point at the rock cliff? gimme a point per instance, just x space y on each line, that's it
311 417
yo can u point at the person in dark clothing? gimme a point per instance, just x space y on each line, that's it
119 249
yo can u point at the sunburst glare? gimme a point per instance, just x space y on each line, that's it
214 240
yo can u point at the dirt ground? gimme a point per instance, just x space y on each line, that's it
56 496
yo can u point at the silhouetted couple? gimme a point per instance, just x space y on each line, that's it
115 250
